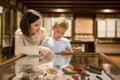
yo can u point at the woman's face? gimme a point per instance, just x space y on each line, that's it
58 32
35 27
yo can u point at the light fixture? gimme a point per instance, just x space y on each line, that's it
59 10
107 10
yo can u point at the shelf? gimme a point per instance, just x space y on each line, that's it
82 41
108 41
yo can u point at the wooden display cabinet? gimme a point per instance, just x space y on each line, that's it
83 38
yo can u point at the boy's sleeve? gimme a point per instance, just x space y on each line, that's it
68 45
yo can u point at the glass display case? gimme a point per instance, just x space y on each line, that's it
83 66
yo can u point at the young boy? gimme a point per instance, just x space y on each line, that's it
57 43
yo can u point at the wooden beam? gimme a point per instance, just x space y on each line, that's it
5 4
74 6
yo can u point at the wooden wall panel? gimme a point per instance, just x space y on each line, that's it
83 25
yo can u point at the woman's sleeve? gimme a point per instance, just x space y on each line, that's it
20 47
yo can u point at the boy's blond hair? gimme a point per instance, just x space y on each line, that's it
61 22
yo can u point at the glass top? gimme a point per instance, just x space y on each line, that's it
33 65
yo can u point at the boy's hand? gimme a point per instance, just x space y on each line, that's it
65 51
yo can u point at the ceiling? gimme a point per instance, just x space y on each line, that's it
74 6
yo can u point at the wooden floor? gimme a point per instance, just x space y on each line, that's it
114 58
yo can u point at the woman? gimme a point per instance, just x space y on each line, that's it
30 35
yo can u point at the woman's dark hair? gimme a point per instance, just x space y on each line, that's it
28 17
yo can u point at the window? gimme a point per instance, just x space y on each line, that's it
108 28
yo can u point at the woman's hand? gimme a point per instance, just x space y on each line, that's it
45 51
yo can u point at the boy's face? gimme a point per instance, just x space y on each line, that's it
58 32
